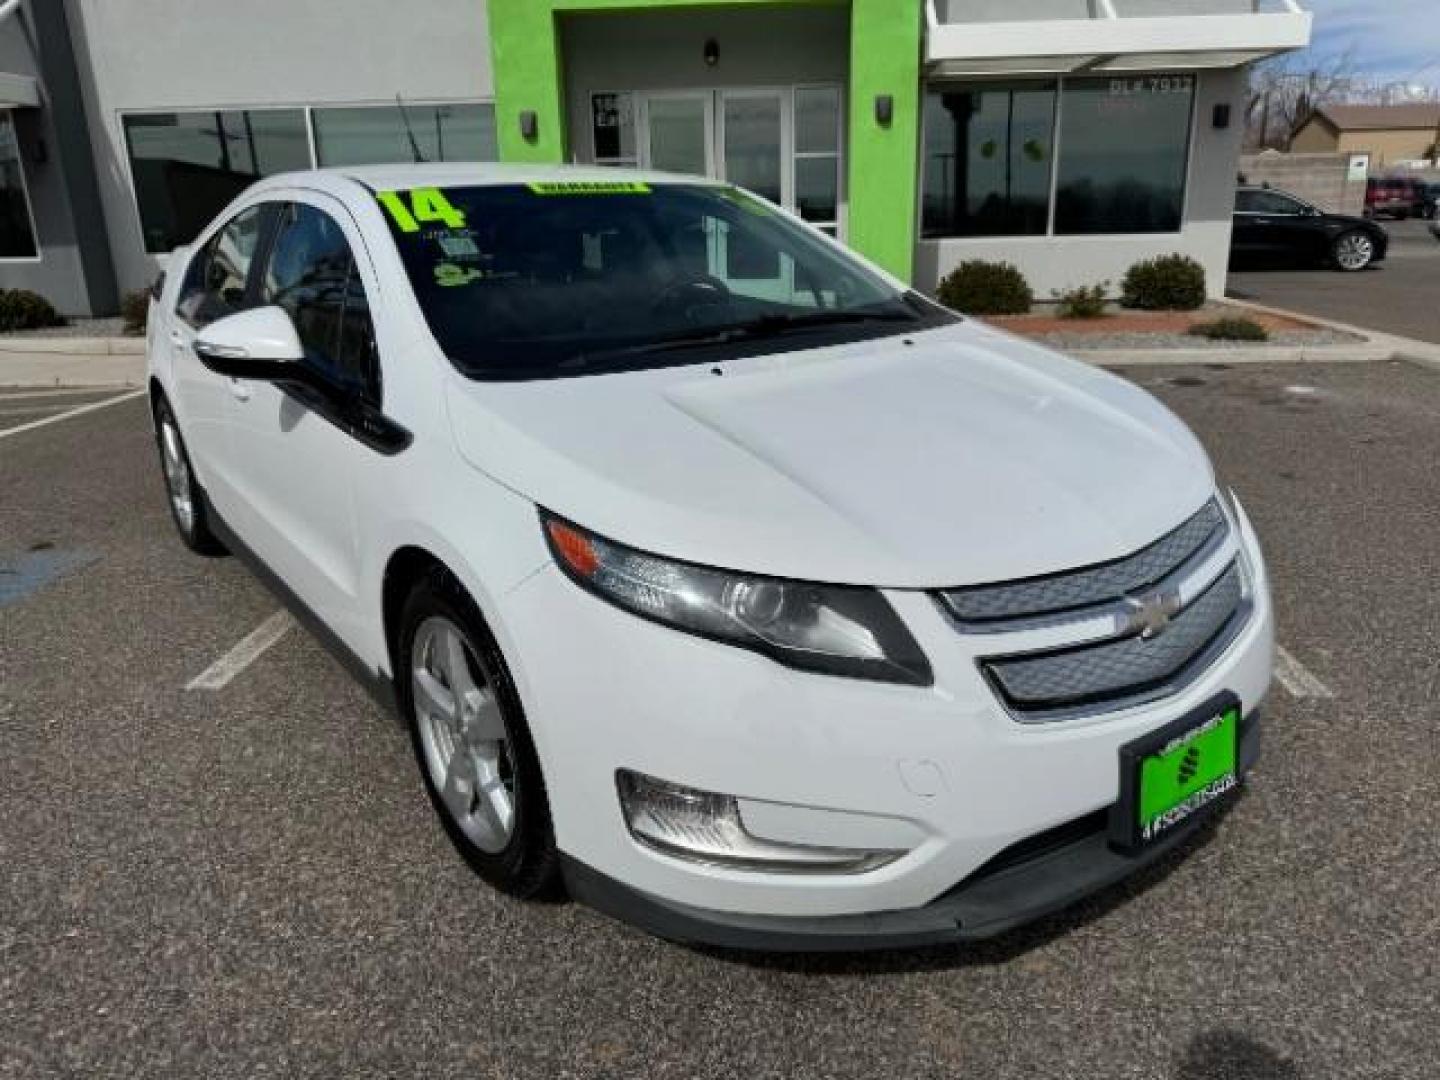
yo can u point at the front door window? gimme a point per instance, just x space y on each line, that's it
783 143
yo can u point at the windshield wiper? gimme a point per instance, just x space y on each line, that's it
765 326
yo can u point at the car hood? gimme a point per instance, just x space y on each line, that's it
950 457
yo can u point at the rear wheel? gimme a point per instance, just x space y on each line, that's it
184 494
1352 251
471 741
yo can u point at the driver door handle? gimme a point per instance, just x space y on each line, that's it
239 389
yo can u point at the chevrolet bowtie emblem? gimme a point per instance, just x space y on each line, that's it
1149 614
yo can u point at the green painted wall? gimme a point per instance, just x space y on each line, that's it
884 59
883 162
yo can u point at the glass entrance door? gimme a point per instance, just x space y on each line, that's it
679 133
781 142
754 142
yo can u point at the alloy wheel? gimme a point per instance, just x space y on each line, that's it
1354 251
463 735
177 474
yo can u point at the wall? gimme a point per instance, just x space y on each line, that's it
1061 262
1321 179
163 54
657 50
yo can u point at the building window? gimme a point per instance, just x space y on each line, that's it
612 128
988 159
1117 164
17 233
817 155
1123 145
391 133
187 166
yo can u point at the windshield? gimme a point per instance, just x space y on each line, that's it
524 281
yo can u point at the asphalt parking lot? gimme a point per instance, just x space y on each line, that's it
247 881
1398 296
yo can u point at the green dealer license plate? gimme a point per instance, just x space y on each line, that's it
1170 775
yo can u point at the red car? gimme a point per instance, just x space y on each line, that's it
1397 196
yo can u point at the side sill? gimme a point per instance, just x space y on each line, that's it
380 688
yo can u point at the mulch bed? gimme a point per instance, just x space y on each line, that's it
1143 322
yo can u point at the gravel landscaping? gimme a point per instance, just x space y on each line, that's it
1133 340
1121 328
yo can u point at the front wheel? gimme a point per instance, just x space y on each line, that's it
471 741
187 500
1352 251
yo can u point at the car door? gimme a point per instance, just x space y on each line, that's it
1245 234
219 281
296 459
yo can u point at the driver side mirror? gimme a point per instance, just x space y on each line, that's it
257 344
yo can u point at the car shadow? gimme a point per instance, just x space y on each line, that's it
992 952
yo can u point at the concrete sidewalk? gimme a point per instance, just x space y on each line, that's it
71 362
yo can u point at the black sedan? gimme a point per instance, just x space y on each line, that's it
1273 225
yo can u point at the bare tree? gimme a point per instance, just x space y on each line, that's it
1283 92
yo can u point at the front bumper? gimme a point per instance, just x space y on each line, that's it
941 772
1035 878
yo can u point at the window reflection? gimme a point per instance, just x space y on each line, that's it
988 160
1123 154
17 237
187 166
393 133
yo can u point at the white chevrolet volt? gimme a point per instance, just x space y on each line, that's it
715 574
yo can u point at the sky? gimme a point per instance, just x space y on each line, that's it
1391 40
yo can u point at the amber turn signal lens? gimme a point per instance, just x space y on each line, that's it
574 547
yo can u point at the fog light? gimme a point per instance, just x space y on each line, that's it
704 827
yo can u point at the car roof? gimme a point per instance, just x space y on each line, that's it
468 174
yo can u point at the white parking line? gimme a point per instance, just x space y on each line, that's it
81 411
246 651
1297 678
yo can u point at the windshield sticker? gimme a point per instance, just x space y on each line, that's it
449 275
459 247
589 187
424 205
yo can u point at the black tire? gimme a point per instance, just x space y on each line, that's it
528 864
194 526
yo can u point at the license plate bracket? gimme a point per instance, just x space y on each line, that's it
1170 775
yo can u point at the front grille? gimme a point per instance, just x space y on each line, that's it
989 607
1118 671
1155 645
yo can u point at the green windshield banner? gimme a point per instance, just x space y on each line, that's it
590 187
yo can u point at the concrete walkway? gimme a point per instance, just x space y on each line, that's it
66 362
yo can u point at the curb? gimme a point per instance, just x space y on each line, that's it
101 371
73 346
1267 354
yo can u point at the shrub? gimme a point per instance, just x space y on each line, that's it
1082 302
1169 283
1230 329
21 309
135 310
978 287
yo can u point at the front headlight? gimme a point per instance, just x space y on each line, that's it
836 629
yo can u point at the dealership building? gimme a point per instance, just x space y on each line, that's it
1070 137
